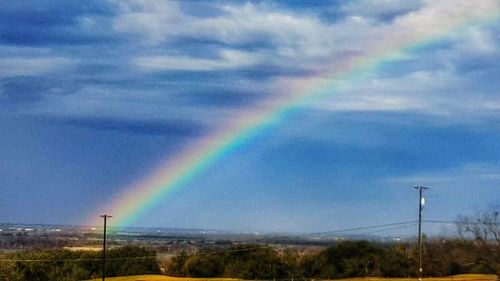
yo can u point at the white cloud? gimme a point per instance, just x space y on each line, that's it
98 101
289 36
251 23
456 190
433 86
438 16
371 8
444 94
474 41
236 24
227 60
153 20
480 41
477 175
292 38
32 66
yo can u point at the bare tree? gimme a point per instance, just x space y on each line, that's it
484 227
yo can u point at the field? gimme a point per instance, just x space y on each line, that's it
163 278
463 277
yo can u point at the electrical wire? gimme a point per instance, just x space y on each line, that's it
360 230
353 229
364 227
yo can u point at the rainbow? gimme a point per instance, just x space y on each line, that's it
175 172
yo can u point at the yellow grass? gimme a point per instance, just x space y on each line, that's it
463 277
163 278
90 248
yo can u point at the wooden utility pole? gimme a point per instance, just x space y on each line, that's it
421 203
104 216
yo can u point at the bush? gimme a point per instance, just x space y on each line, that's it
52 265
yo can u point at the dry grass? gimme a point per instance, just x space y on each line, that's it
163 278
463 277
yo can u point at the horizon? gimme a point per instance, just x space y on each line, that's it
372 232
302 116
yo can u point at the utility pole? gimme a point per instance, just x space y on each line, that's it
104 216
421 203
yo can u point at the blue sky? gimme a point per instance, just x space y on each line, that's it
94 96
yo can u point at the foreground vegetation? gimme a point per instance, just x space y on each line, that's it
52 265
346 259
463 277
251 262
478 252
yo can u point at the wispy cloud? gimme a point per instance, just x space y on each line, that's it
457 190
281 36
441 94
26 89
227 60
149 127
380 8
24 66
255 45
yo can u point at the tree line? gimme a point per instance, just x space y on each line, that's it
63 264
345 259
477 251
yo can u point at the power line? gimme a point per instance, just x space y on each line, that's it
394 224
459 222
389 229
364 227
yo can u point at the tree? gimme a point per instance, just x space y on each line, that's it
484 226
204 265
352 259
176 265
484 229
251 262
41 265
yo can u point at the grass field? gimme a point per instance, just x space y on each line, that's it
163 278
463 277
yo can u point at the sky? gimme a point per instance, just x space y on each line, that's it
96 95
